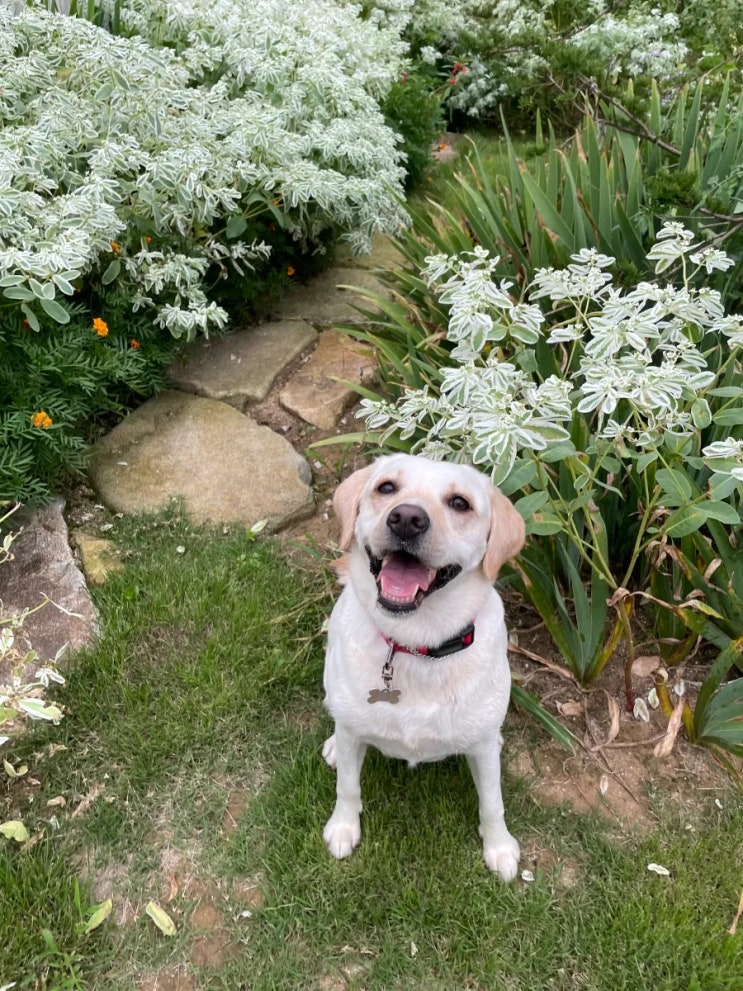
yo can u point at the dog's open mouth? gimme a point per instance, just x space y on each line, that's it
404 581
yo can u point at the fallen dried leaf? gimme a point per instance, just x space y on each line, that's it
83 807
665 746
613 718
645 665
161 918
659 869
99 916
573 707
640 710
734 927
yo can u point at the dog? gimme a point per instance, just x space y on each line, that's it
416 663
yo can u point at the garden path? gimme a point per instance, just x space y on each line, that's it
228 438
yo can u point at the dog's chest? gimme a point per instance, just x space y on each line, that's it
435 707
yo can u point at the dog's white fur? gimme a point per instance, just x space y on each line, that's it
448 705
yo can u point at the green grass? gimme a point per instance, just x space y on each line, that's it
206 683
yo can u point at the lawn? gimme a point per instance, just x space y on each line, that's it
192 777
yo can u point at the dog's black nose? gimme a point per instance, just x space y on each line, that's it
407 521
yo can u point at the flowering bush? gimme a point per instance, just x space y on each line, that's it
143 174
606 417
258 114
524 53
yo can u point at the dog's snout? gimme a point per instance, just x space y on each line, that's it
407 521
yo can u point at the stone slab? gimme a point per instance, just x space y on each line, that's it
323 303
385 254
314 394
43 566
222 464
98 557
241 368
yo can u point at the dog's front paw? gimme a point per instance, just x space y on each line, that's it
342 837
502 856
328 751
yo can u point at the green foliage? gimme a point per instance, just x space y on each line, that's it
60 385
623 451
413 108
182 162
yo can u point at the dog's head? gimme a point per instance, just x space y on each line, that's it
423 523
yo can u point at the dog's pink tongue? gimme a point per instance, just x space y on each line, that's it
401 578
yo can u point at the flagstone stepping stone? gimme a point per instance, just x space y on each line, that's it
385 254
42 568
322 302
313 392
241 368
221 463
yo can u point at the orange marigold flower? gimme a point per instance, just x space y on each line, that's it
290 271
41 419
147 239
134 343
116 248
100 327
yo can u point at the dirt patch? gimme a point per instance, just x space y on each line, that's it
167 979
237 802
614 770
540 860
250 893
113 882
214 951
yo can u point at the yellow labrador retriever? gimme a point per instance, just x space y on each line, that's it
416 664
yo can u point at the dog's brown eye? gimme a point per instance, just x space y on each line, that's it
459 503
387 488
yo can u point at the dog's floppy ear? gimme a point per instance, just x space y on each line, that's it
506 537
346 503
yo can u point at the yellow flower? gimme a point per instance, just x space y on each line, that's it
100 327
41 419
134 343
116 248
290 271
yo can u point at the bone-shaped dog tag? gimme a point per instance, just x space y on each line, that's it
391 695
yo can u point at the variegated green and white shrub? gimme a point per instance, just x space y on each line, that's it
159 163
169 142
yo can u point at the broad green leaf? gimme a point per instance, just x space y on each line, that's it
55 310
730 417
18 292
29 314
721 511
236 225
14 829
161 919
676 484
684 521
111 272
529 504
701 413
544 525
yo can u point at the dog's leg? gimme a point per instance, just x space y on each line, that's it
500 849
342 832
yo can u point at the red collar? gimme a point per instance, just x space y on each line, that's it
461 641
